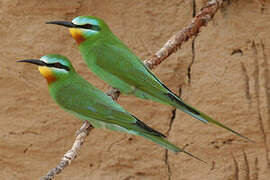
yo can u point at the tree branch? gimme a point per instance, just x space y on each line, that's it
205 15
82 133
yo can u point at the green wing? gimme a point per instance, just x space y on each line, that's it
81 98
86 101
122 63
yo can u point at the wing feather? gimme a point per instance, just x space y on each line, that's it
126 66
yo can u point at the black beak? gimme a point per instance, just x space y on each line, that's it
33 61
63 23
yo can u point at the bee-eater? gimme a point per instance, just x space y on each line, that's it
77 96
111 60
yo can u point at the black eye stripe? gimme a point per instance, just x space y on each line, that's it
59 66
89 26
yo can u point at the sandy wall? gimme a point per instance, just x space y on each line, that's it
230 86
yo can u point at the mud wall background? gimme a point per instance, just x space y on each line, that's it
225 74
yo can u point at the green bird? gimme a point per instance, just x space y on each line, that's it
80 98
111 60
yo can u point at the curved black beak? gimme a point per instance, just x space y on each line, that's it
63 23
33 61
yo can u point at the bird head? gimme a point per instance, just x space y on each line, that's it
83 28
53 67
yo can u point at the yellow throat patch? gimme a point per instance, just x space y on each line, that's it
77 35
47 73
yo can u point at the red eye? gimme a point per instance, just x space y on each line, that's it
90 26
87 26
58 65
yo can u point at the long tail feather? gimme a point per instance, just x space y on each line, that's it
200 116
166 144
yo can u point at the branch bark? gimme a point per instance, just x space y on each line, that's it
71 154
205 15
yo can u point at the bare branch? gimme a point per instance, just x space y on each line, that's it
171 46
70 155
113 93
174 43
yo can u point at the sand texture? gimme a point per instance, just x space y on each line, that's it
229 79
